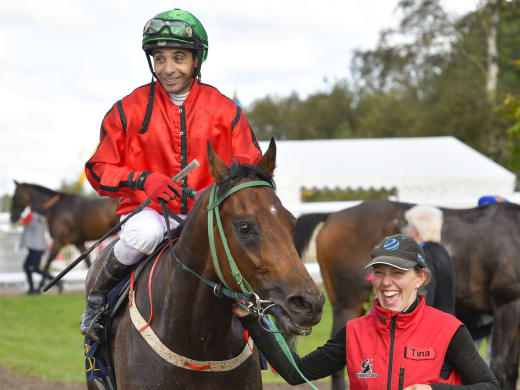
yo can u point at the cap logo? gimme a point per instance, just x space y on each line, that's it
420 259
189 31
391 244
161 43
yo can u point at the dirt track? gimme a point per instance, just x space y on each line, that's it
10 380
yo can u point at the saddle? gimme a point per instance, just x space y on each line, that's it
98 364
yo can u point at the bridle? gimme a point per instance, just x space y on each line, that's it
248 299
213 215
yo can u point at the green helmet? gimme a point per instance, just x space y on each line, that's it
176 28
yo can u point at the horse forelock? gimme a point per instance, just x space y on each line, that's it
238 172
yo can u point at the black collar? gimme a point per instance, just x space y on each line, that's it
412 306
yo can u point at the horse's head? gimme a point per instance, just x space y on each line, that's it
19 201
259 235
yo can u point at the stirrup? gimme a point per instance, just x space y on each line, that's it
97 328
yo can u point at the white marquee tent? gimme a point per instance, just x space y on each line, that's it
422 169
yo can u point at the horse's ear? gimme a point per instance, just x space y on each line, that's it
216 166
16 183
268 161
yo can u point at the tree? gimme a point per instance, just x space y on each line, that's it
321 115
492 48
76 187
432 75
511 111
437 73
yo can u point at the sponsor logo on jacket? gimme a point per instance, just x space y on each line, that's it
366 370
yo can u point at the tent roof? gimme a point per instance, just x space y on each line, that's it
418 167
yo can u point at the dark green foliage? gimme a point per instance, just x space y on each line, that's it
76 187
337 194
511 110
321 115
427 77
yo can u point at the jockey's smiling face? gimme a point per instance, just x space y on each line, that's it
174 67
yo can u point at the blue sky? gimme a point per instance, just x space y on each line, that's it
66 62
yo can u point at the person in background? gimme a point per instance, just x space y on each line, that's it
402 344
425 226
487 199
33 238
149 136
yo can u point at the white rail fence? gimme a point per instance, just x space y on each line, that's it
12 258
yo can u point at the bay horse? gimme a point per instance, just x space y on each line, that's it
483 243
202 344
71 219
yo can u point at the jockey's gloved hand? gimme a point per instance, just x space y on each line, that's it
158 186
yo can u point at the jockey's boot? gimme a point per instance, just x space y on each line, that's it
94 319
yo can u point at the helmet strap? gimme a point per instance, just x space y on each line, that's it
196 71
150 65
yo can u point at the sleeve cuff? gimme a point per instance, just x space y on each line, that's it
139 183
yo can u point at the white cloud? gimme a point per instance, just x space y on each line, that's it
66 62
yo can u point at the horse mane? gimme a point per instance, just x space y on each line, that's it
43 189
238 172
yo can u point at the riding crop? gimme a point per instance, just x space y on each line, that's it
187 169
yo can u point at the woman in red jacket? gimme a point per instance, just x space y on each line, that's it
149 136
401 344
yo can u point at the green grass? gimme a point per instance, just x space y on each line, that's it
320 334
40 336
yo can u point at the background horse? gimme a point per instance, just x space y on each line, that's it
484 245
189 319
71 219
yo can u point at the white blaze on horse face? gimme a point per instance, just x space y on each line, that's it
273 210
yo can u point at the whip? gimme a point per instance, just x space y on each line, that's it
187 169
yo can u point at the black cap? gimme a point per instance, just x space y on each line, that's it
399 251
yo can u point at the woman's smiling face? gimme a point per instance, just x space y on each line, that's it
396 289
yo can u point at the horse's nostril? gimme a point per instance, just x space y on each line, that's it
299 302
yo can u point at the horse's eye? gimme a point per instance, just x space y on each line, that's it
243 228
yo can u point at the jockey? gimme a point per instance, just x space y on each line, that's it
149 136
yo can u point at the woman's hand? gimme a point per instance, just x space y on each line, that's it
419 387
238 311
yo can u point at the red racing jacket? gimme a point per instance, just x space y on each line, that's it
390 350
173 137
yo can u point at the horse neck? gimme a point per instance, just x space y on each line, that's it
40 199
195 306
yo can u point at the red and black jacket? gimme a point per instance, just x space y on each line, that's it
146 131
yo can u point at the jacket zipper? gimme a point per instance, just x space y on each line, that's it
401 378
184 157
391 355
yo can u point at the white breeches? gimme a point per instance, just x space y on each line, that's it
141 234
